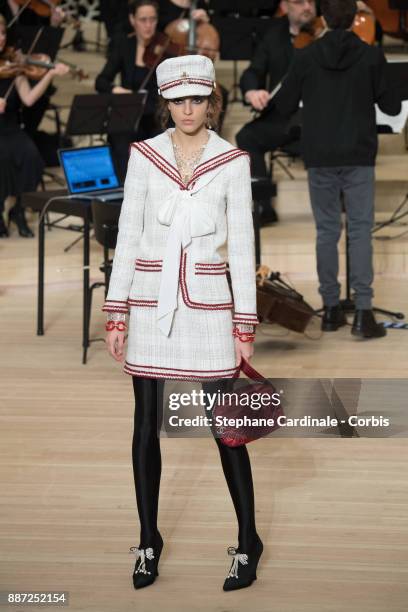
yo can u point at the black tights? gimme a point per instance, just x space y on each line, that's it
146 457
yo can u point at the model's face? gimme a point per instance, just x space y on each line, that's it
144 22
3 37
299 12
190 113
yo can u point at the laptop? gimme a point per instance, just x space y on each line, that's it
89 173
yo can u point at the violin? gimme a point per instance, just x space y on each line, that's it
159 48
43 8
363 27
34 66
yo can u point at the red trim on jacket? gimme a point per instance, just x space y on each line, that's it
186 297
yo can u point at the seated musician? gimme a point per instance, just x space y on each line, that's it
127 60
23 17
21 165
271 59
10 9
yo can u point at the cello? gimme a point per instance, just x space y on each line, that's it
194 37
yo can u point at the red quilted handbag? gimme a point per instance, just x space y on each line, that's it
239 431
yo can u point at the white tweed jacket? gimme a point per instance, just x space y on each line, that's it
170 234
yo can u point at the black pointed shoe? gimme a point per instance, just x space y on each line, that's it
147 561
333 318
243 569
365 325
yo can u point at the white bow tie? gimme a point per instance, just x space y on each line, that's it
182 212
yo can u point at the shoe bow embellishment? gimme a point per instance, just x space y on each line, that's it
238 558
142 554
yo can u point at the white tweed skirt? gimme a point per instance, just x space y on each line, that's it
200 345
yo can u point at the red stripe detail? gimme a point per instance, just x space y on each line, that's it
186 297
177 370
213 166
184 377
210 265
115 301
154 158
218 156
190 80
149 260
163 159
146 303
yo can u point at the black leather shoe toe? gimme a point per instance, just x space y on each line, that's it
365 325
333 318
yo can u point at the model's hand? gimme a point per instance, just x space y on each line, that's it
3 104
115 341
243 349
258 98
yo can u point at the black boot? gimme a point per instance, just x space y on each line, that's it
147 560
17 216
243 569
3 229
365 325
333 318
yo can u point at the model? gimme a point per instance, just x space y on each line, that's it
187 194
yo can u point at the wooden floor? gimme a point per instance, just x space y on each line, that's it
331 512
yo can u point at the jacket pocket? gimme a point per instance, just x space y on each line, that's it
146 282
204 284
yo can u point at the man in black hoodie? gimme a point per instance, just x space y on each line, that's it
339 79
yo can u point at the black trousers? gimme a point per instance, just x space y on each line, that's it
267 133
146 457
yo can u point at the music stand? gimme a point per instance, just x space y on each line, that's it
105 113
241 25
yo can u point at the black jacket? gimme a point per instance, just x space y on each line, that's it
122 60
339 78
271 59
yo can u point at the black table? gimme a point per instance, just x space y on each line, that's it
75 207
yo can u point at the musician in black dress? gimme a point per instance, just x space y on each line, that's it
21 164
127 60
271 62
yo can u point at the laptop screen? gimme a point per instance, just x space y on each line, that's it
88 169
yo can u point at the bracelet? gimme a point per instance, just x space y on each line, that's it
120 325
116 316
243 336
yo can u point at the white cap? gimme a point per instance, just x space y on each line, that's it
187 75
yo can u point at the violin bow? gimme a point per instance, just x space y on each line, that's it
13 83
17 15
